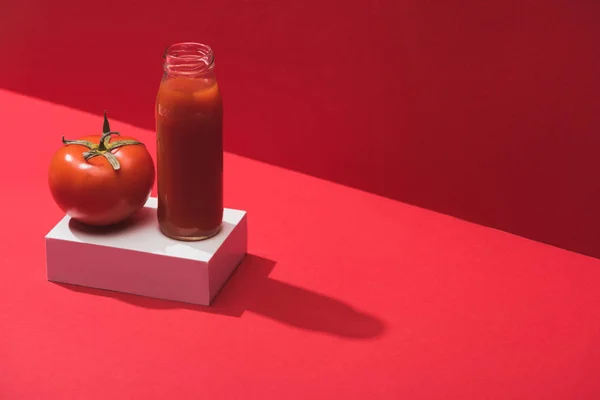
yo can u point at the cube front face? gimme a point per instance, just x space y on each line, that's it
127 271
111 265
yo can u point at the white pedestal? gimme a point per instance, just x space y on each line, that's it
137 258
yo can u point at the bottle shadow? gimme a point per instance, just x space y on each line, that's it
250 289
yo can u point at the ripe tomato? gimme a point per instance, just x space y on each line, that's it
101 179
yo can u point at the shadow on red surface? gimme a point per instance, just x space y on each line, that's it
250 289
487 111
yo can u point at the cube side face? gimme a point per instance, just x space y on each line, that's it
228 257
127 271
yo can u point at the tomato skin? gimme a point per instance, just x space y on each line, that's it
91 191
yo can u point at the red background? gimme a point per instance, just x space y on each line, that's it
484 110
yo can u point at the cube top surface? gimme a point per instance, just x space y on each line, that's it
142 234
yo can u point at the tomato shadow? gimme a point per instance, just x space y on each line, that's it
141 216
250 289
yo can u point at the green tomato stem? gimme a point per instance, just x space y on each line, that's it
106 126
104 147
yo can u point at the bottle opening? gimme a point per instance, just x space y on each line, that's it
188 58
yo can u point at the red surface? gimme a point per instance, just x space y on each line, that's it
485 110
345 295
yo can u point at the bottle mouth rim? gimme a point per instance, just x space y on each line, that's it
188 58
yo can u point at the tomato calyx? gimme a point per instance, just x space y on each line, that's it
104 147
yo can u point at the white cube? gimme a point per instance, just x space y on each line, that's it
137 258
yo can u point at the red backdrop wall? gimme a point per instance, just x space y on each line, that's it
485 110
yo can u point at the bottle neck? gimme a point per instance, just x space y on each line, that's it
188 59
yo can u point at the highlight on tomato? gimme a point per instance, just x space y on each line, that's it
101 180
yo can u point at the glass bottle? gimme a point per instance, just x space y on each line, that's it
189 129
